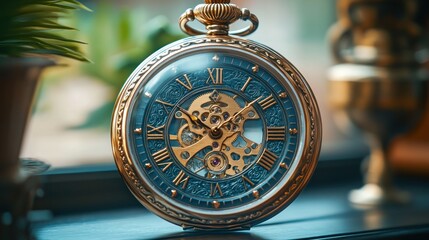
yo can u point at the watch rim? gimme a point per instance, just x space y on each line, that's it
185 217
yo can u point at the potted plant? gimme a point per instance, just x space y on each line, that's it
30 38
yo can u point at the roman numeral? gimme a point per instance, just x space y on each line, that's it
246 180
186 84
215 188
165 164
246 84
174 137
276 133
267 102
161 155
267 160
181 178
164 105
155 133
215 75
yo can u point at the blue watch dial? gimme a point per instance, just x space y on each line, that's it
214 130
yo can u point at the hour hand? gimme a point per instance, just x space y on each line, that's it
193 118
192 126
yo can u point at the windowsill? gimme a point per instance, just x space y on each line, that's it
95 204
321 211
99 187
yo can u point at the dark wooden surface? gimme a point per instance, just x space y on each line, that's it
319 212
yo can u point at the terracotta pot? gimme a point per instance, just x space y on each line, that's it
18 83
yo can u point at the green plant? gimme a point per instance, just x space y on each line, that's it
120 40
31 27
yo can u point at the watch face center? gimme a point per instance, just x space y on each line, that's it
215 133
210 127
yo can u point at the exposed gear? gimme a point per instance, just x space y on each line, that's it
186 137
222 119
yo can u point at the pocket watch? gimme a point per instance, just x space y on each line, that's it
215 131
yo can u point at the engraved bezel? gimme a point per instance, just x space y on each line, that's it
243 217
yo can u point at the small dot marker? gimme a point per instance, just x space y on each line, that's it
255 69
293 131
283 95
256 194
173 193
284 165
148 165
138 130
216 204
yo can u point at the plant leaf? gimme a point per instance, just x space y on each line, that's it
30 27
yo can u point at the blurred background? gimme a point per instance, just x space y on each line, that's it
71 119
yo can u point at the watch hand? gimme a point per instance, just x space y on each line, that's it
199 169
192 117
236 114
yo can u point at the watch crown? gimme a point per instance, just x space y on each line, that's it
217 1
217 15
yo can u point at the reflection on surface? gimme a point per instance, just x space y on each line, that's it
317 212
202 235
373 219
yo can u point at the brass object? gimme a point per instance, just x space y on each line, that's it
377 83
293 131
213 107
208 125
217 15
283 95
255 69
283 165
256 193
215 204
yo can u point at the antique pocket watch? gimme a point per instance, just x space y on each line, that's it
216 131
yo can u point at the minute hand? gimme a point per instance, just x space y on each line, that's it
236 114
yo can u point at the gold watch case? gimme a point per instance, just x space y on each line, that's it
266 206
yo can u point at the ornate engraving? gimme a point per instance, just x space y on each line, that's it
257 174
275 147
273 116
249 218
254 89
